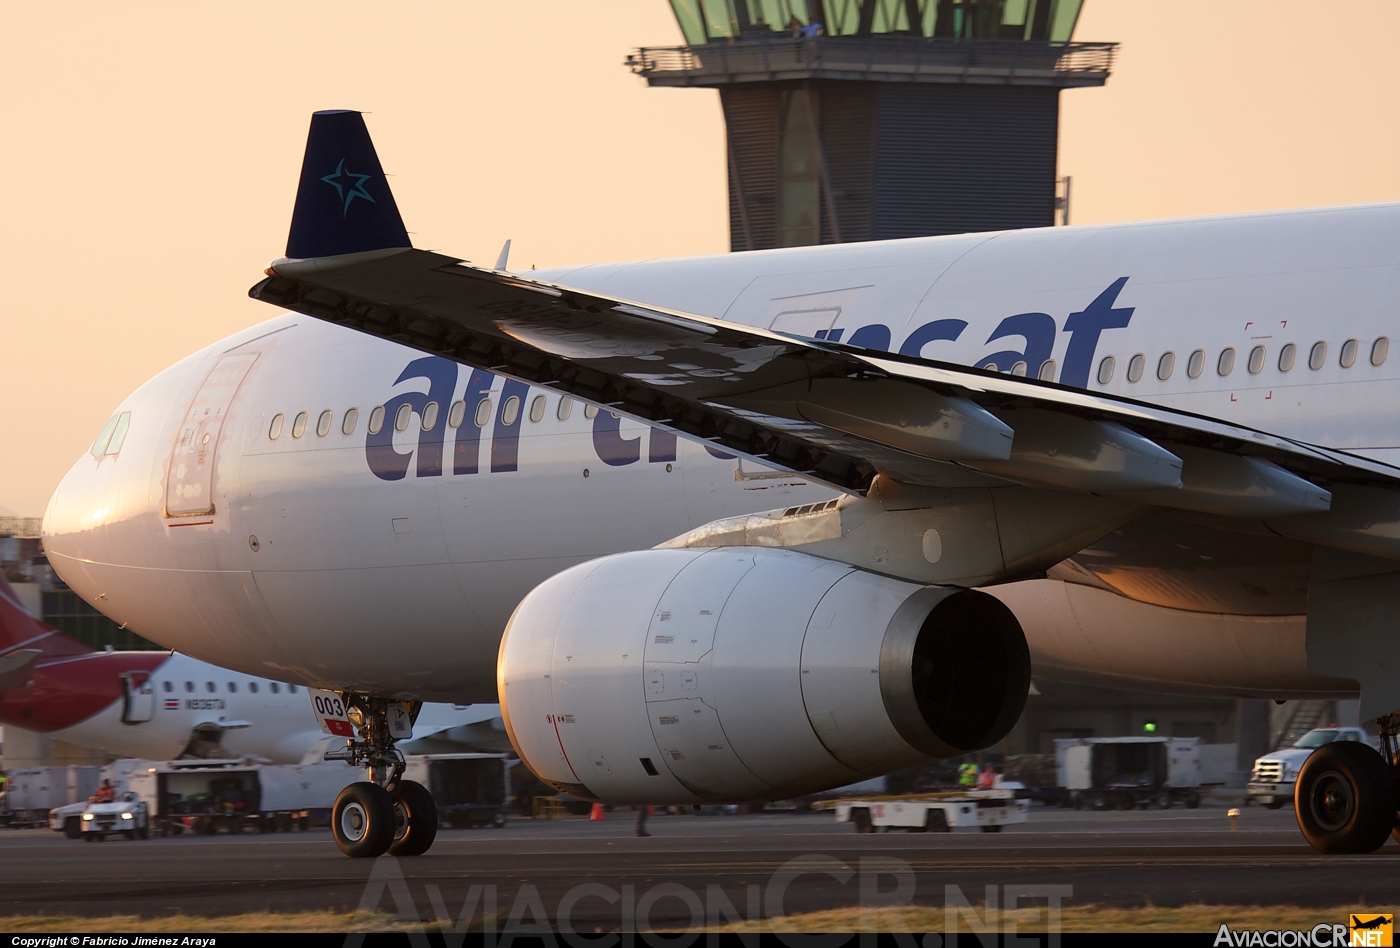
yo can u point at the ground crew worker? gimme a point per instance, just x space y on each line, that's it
967 774
105 793
987 779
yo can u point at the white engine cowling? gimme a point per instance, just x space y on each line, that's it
740 673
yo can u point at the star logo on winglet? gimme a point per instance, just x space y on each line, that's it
348 190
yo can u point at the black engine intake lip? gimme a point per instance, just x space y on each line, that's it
955 670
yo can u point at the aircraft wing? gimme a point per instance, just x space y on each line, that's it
836 414
832 413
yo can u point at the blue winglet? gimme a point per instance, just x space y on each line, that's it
343 202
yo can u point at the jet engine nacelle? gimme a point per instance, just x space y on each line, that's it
744 673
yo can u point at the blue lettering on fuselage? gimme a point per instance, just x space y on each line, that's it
391 465
616 450
1038 330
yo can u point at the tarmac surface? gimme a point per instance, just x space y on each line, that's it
597 875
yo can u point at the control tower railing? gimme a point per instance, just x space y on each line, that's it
883 58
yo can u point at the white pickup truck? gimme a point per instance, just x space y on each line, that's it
127 816
1275 774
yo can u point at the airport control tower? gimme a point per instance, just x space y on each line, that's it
872 119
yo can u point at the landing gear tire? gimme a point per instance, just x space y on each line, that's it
1345 799
415 819
1164 799
363 820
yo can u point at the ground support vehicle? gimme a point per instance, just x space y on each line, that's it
1105 773
470 790
1275 775
234 796
987 810
128 815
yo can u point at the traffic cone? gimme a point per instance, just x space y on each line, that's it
597 813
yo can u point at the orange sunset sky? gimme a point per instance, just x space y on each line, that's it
151 150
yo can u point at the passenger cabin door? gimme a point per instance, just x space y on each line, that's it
140 695
189 489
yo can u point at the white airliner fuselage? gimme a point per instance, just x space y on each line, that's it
378 514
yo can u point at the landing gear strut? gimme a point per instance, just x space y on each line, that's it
1346 793
385 813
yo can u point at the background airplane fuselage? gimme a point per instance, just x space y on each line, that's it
391 562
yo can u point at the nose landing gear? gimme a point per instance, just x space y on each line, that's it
385 813
1346 796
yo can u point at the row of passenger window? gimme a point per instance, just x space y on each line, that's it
456 414
209 686
1225 362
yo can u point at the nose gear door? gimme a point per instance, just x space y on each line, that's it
140 700
189 489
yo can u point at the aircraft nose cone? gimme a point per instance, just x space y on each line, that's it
75 518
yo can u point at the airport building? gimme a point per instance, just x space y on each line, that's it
853 120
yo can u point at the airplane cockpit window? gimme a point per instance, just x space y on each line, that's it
537 409
113 434
1196 363
119 434
376 420
455 414
347 424
252 687
402 417
274 430
1256 360
1165 365
1379 350
299 424
99 447
1106 370
189 686
1286 355
1318 356
1226 363
430 413
1135 367
1347 360
323 424
274 687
